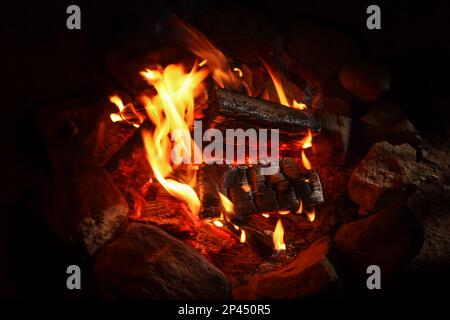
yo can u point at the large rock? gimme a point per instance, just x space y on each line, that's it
387 174
389 239
310 274
366 81
83 207
147 263
80 131
385 121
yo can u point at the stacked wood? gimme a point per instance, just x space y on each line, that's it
209 183
252 192
264 195
239 192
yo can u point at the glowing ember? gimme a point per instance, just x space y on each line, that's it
265 215
170 110
283 212
246 187
243 236
278 237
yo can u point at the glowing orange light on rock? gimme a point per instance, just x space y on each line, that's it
278 237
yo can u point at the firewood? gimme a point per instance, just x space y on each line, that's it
240 194
229 109
310 189
209 184
265 197
256 239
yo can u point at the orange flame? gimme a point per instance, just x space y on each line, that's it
278 86
307 141
265 215
170 110
243 236
133 117
278 237
227 205
216 61
300 207
283 212
311 214
246 188
305 161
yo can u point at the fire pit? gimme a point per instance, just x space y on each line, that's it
210 169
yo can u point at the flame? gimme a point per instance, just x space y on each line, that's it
300 207
307 141
299 105
305 161
227 205
278 237
172 109
265 215
246 187
283 212
217 62
278 86
218 223
243 236
127 113
311 214
239 72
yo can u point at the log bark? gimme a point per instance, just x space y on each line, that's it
229 109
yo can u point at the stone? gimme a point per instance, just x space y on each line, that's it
147 263
82 207
80 131
366 81
315 53
310 274
331 145
389 239
387 174
385 121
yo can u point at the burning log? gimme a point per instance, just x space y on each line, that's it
229 109
209 183
251 192
265 197
256 239
240 192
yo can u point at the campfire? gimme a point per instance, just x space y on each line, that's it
223 190
202 175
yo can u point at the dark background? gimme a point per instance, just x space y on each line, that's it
42 61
